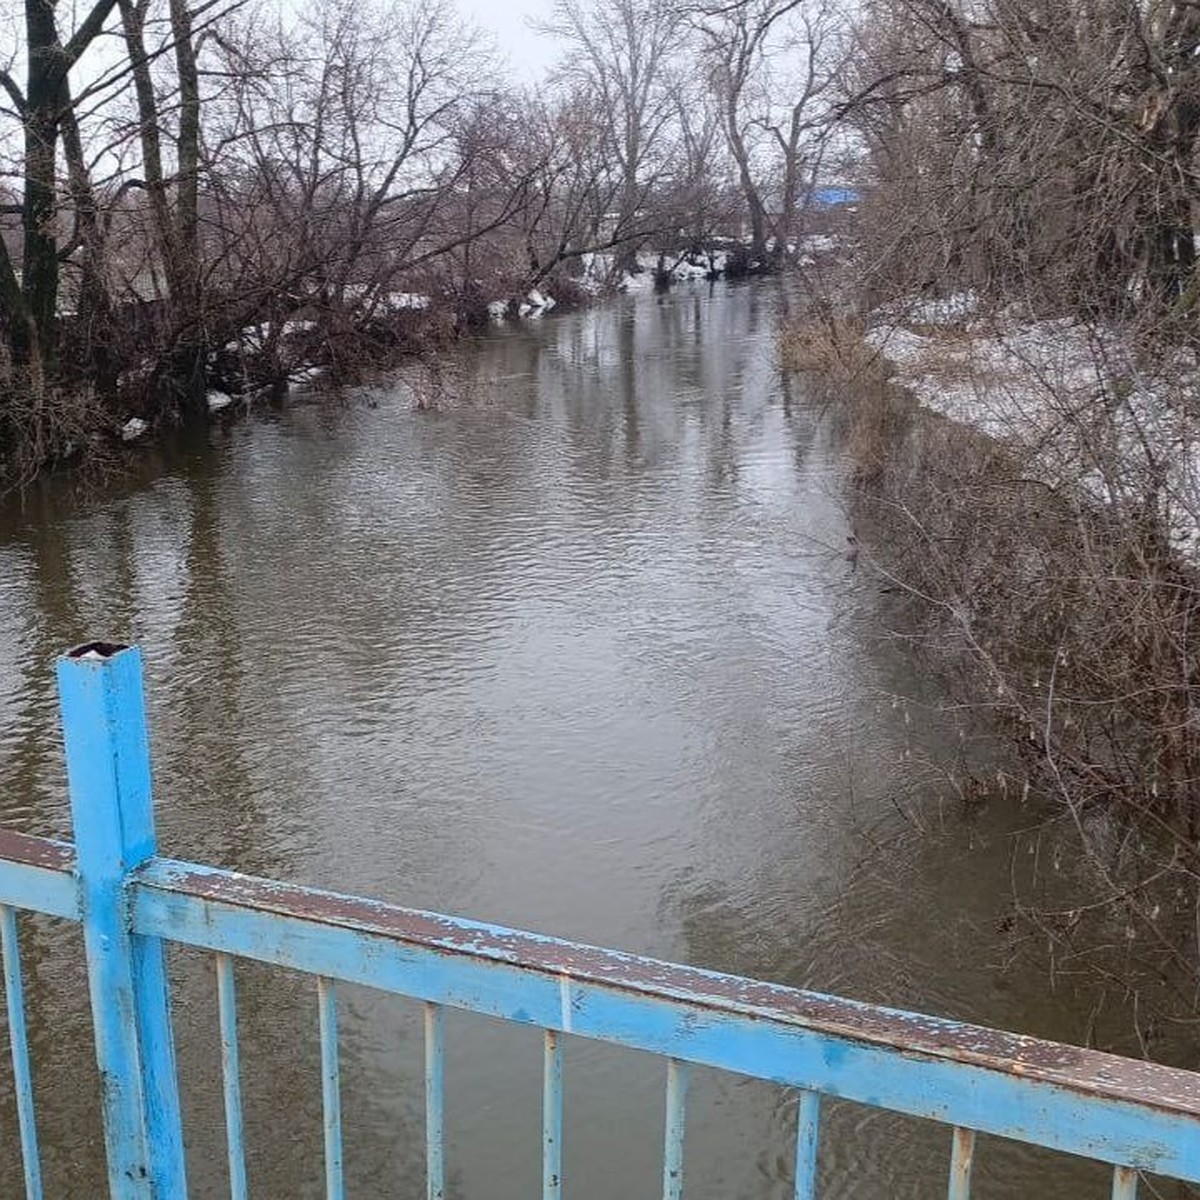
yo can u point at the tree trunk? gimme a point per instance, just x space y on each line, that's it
177 231
32 340
750 192
94 315
187 376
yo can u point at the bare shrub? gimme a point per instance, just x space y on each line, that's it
1044 152
435 383
1064 616
832 347
39 427
1036 163
851 376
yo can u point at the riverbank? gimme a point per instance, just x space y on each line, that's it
1026 492
1092 408
292 345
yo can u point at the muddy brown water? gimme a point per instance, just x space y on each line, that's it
579 653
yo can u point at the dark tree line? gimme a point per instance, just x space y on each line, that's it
205 191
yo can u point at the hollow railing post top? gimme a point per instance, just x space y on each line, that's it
97 651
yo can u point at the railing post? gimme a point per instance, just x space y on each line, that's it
108 773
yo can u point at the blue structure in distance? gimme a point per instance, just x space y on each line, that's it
834 196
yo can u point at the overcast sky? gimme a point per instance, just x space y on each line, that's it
530 54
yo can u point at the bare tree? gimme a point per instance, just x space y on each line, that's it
1041 158
573 197
356 158
622 63
231 190
1051 147
771 65
173 195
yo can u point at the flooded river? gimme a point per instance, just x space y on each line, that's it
579 653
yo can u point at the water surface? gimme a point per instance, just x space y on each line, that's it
578 653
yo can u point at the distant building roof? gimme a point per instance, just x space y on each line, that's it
829 196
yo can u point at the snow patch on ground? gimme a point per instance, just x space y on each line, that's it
398 301
304 375
598 270
643 281
690 270
293 327
1092 413
254 337
535 304
1021 380
957 309
819 243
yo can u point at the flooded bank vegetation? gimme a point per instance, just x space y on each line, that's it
1016 357
204 202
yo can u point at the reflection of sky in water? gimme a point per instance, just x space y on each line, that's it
581 656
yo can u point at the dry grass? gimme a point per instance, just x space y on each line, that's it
833 347
852 377
949 360
872 423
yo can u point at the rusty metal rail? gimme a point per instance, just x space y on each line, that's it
1137 1116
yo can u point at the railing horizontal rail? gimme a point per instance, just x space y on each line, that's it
1079 1101
38 875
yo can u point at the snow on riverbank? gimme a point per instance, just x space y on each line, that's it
1090 411
1010 379
598 271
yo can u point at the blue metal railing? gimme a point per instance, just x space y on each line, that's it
1136 1116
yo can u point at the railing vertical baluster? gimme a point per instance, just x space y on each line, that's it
962 1158
108 773
552 1116
1125 1183
808 1117
231 1077
331 1095
19 1045
435 1102
676 1122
